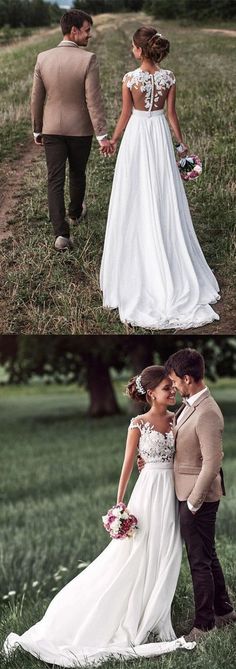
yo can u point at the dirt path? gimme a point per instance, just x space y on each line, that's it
12 175
32 39
222 31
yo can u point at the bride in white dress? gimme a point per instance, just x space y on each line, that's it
126 593
153 269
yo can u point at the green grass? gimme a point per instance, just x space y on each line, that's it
48 293
59 474
16 67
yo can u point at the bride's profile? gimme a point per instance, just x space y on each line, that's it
153 269
111 608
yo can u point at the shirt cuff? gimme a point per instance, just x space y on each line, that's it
101 137
191 507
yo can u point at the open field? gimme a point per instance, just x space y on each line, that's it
47 293
59 474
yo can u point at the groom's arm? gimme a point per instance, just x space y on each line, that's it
38 96
209 431
94 99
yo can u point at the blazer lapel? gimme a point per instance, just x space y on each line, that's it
189 411
177 414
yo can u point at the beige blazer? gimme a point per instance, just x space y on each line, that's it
66 96
198 456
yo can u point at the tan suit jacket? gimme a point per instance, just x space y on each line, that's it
198 456
66 95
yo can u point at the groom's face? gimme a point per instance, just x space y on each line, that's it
180 384
82 35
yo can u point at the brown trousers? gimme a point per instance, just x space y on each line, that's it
210 593
58 150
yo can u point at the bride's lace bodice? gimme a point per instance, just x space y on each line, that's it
154 446
149 91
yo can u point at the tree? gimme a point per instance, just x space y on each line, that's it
88 359
198 11
28 13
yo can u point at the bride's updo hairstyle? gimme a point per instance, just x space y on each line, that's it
154 46
149 379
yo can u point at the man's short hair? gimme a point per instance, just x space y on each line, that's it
187 361
74 17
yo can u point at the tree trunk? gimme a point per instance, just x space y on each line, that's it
102 397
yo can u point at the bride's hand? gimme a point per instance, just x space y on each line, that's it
113 145
182 149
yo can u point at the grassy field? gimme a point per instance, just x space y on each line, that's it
47 293
59 474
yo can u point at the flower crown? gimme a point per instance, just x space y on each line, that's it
139 386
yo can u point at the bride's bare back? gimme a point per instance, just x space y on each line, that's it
149 91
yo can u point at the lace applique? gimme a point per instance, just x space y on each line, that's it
153 445
152 85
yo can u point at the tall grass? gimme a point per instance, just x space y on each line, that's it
59 475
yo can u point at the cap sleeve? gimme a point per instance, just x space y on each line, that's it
135 423
127 79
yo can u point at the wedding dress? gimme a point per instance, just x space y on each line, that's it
153 269
113 605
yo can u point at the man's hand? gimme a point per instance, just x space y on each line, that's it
106 147
38 139
140 463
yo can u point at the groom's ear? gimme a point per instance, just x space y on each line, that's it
187 379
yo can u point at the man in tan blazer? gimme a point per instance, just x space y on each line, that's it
198 428
67 109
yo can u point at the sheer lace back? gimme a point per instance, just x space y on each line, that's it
149 91
153 445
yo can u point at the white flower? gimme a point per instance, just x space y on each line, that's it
34 584
115 525
116 512
12 593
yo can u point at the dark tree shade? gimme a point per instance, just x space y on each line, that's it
29 13
194 11
88 359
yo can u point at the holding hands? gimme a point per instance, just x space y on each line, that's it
107 147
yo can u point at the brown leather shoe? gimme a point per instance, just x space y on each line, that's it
197 634
227 619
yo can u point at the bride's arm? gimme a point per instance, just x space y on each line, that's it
172 115
130 453
124 117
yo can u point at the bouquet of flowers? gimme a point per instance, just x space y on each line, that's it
119 522
190 167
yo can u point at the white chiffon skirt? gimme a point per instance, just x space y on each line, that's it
153 269
109 609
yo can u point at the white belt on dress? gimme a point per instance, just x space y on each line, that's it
158 465
145 114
